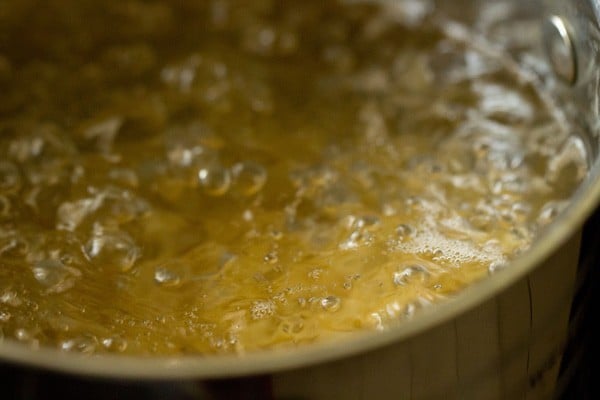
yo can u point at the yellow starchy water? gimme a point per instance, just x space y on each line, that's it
227 176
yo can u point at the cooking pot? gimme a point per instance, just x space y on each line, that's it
504 337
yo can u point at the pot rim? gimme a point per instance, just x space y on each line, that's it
583 203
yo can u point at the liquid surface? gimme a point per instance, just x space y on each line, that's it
212 176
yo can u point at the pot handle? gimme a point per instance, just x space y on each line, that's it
571 37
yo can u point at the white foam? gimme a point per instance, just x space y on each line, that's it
428 240
262 309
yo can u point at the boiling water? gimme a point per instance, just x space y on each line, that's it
206 177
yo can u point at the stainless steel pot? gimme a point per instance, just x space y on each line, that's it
502 338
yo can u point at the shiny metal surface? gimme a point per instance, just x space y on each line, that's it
500 339
560 49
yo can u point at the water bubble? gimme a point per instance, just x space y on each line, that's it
112 249
71 214
408 12
261 309
120 205
520 211
248 178
104 132
319 176
292 326
521 233
550 211
403 231
4 316
26 148
55 276
315 273
302 302
215 180
356 239
83 344
569 163
181 76
438 255
166 278
393 308
114 343
352 241
415 202
510 183
184 157
28 336
111 204
260 39
496 266
331 303
410 273
367 221
23 335
190 147
277 235
10 178
247 215
217 343
271 257
409 310
11 298
503 104
424 165
388 210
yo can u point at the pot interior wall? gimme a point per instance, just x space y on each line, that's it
510 345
